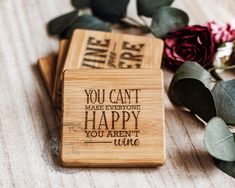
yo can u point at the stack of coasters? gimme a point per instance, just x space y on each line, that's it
110 91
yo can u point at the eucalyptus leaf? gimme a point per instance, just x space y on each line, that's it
86 22
224 97
226 167
148 7
61 23
109 10
219 141
189 70
81 3
190 87
168 19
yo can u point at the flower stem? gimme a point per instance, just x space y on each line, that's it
144 21
213 80
136 22
147 27
129 24
133 22
215 75
222 68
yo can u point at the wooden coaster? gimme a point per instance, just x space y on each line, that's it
47 67
94 49
63 49
112 118
50 68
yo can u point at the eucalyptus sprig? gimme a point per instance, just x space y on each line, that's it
165 19
190 87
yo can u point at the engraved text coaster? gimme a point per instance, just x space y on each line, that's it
113 118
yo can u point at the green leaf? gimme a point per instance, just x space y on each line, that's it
148 7
226 167
219 141
168 19
109 10
189 70
190 88
81 3
61 23
86 22
224 97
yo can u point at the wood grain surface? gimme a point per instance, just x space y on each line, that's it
29 124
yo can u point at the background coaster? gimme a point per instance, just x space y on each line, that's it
47 67
95 49
113 118
62 53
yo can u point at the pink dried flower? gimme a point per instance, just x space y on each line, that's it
221 32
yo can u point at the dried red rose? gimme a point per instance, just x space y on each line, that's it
191 43
221 32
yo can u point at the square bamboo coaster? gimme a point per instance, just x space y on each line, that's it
112 118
